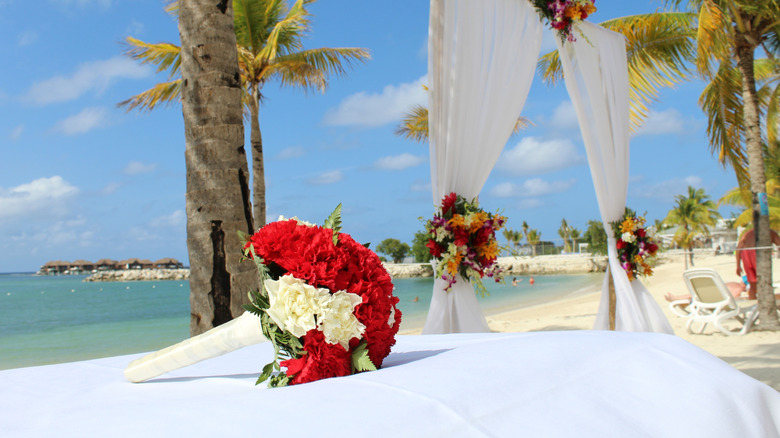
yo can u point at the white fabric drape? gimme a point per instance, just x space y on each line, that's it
596 75
481 61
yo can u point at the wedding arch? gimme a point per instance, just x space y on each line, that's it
481 62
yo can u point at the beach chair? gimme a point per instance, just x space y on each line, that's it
711 302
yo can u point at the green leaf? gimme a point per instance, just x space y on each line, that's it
268 370
243 236
334 223
367 245
360 360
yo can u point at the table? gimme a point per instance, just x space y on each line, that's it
543 384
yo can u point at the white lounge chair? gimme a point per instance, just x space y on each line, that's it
711 302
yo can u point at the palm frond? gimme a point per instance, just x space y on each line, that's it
658 46
166 56
712 37
721 100
285 34
164 93
414 125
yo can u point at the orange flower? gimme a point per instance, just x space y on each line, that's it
489 250
627 226
476 221
457 221
573 12
454 263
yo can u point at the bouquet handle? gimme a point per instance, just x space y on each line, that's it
240 332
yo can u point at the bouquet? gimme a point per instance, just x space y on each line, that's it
326 302
562 14
463 240
636 245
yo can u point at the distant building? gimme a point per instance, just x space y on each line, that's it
86 267
167 263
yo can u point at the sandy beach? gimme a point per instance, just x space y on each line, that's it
757 354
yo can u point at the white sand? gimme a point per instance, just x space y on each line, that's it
757 354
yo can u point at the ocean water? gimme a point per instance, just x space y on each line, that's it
56 319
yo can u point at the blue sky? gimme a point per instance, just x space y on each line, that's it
82 179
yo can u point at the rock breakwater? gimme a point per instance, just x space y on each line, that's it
140 275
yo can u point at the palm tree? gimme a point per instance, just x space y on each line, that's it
740 197
574 234
533 237
730 31
268 34
215 204
658 47
512 237
693 214
565 232
414 125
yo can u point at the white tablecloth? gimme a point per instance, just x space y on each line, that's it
474 385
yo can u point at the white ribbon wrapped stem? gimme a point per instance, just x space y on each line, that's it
240 332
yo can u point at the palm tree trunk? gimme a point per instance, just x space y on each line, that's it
217 196
258 167
767 307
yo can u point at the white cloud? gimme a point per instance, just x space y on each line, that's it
666 190
16 133
40 194
110 188
176 219
66 232
85 121
530 188
669 121
91 76
421 186
564 116
399 162
291 152
26 38
326 178
529 203
136 167
376 109
535 156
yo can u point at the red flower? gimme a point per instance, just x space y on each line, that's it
448 204
640 233
462 237
308 253
434 248
322 360
620 244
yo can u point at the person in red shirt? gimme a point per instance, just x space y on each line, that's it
747 258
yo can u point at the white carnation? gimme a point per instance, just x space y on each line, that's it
295 218
294 304
628 237
337 320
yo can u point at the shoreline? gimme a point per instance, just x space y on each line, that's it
522 265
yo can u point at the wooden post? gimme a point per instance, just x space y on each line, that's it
612 300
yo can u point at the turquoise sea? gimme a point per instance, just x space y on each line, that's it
54 319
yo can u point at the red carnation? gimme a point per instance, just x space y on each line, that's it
448 204
620 244
434 248
640 232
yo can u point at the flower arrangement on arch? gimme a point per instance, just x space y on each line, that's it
562 14
463 241
326 302
636 245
